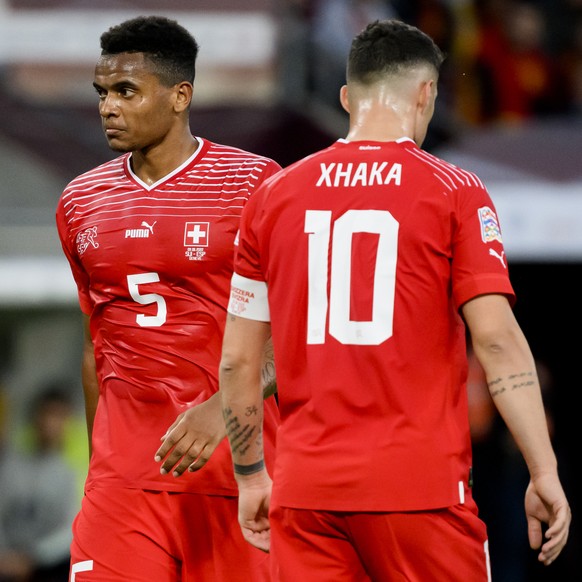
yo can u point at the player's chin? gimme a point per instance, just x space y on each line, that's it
118 145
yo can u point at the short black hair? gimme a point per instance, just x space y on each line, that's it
170 48
388 47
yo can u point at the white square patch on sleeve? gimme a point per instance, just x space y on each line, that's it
248 298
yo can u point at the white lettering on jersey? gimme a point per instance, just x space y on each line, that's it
248 298
141 232
137 233
363 174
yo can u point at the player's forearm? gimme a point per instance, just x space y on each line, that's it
514 387
504 353
242 409
269 381
241 389
518 399
89 380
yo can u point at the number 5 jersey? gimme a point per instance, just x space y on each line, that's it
153 266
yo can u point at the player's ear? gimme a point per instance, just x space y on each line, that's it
344 98
183 96
424 95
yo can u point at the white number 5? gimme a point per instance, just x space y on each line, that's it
133 282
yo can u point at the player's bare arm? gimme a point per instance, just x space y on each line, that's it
89 379
504 353
241 389
192 438
268 377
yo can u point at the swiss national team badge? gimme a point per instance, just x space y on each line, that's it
196 236
86 238
490 230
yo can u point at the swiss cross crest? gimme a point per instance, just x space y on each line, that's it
196 234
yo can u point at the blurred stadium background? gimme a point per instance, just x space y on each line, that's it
261 85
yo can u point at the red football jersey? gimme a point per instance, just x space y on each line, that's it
153 266
367 250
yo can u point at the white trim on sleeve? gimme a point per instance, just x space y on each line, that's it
248 298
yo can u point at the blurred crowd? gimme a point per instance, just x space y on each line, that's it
508 61
43 464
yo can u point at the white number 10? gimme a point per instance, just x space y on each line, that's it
346 331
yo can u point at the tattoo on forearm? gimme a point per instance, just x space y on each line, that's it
268 373
249 469
268 378
251 411
515 381
239 435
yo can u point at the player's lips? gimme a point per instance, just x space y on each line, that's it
112 131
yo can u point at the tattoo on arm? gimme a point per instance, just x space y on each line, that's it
515 381
249 469
238 434
268 371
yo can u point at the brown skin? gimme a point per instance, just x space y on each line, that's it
141 115
89 379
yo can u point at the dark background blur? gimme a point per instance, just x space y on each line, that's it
509 108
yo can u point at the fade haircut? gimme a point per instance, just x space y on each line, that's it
387 47
168 46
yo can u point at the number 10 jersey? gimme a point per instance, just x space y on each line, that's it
361 256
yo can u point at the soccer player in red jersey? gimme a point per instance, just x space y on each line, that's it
367 260
150 240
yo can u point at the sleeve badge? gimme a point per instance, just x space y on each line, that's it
490 230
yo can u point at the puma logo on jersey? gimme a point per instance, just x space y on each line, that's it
151 228
141 232
363 174
495 254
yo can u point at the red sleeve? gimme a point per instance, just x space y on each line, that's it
70 251
246 259
479 264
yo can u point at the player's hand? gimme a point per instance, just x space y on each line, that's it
253 511
192 438
546 503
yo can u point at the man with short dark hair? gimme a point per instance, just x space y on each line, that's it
367 260
149 237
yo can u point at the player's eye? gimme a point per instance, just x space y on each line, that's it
126 92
